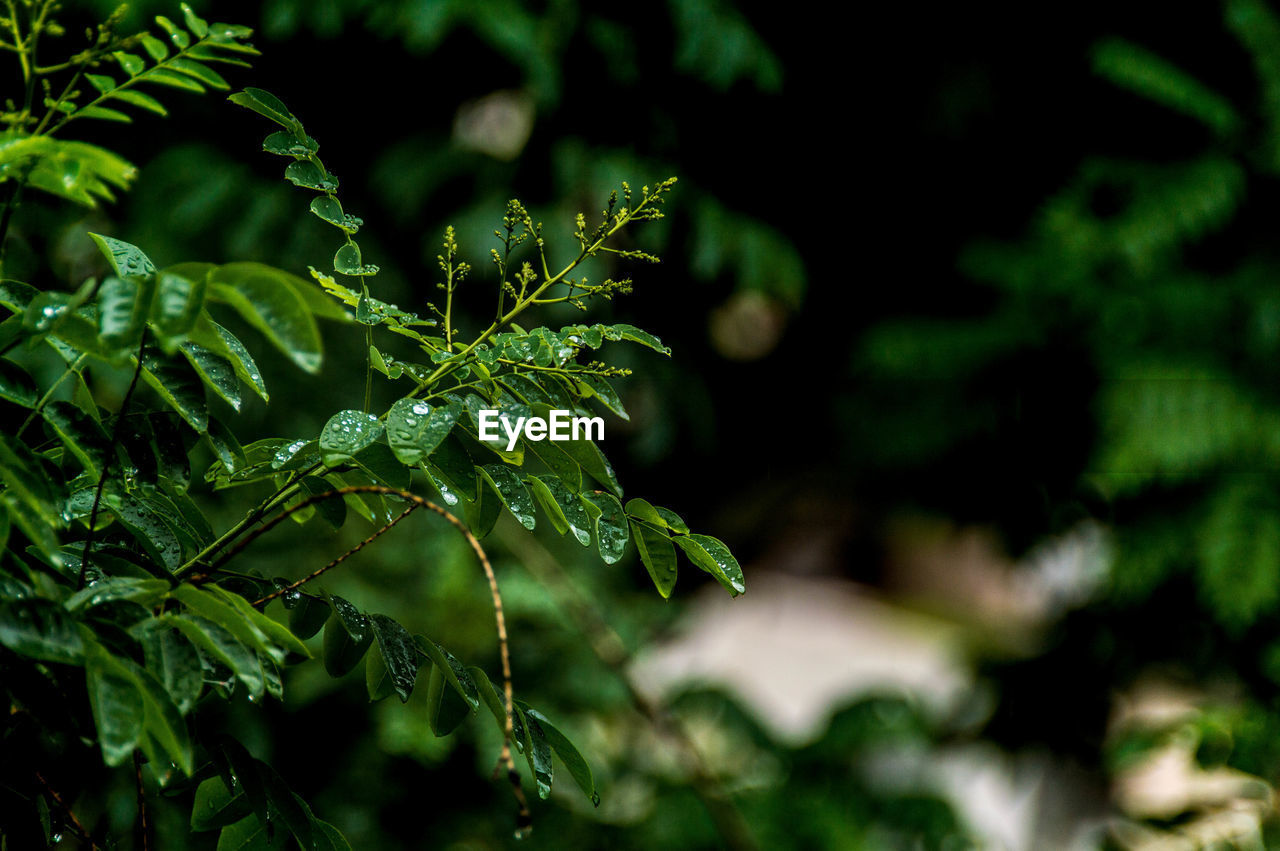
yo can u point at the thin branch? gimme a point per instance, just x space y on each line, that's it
76 825
610 649
498 614
283 492
337 561
44 400
87 553
144 828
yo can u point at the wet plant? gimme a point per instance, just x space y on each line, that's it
124 616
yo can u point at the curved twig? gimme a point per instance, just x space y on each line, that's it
499 617
280 592
612 650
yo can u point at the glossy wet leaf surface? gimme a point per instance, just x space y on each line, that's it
512 491
609 523
268 303
346 637
398 652
346 433
658 555
710 554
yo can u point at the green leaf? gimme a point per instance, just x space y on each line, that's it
482 514
203 73
347 260
174 661
1146 74
286 143
127 260
123 307
33 525
16 385
656 551
332 510
146 592
672 520
176 34
512 491
562 506
101 82
174 80
326 832
155 48
602 390
142 100
558 461
221 646
452 461
639 335
487 694
415 429
216 372
585 454
611 529
103 113
399 653
177 303
536 750
117 704
267 105
179 385
245 366
161 720
26 478
457 674
345 434
328 208
307 614
710 554
216 807
40 629
346 637
380 463
80 434
377 676
249 834
276 632
171 447
129 63
194 22
226 447
569 755
445 709
277 310
308 175
215 604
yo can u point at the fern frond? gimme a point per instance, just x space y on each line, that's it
184 68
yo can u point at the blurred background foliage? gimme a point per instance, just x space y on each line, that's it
977 368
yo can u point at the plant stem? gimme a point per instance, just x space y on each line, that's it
498 611
144 826
87 553
285 491
523 303
611 650
77 826
337 561
44 400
